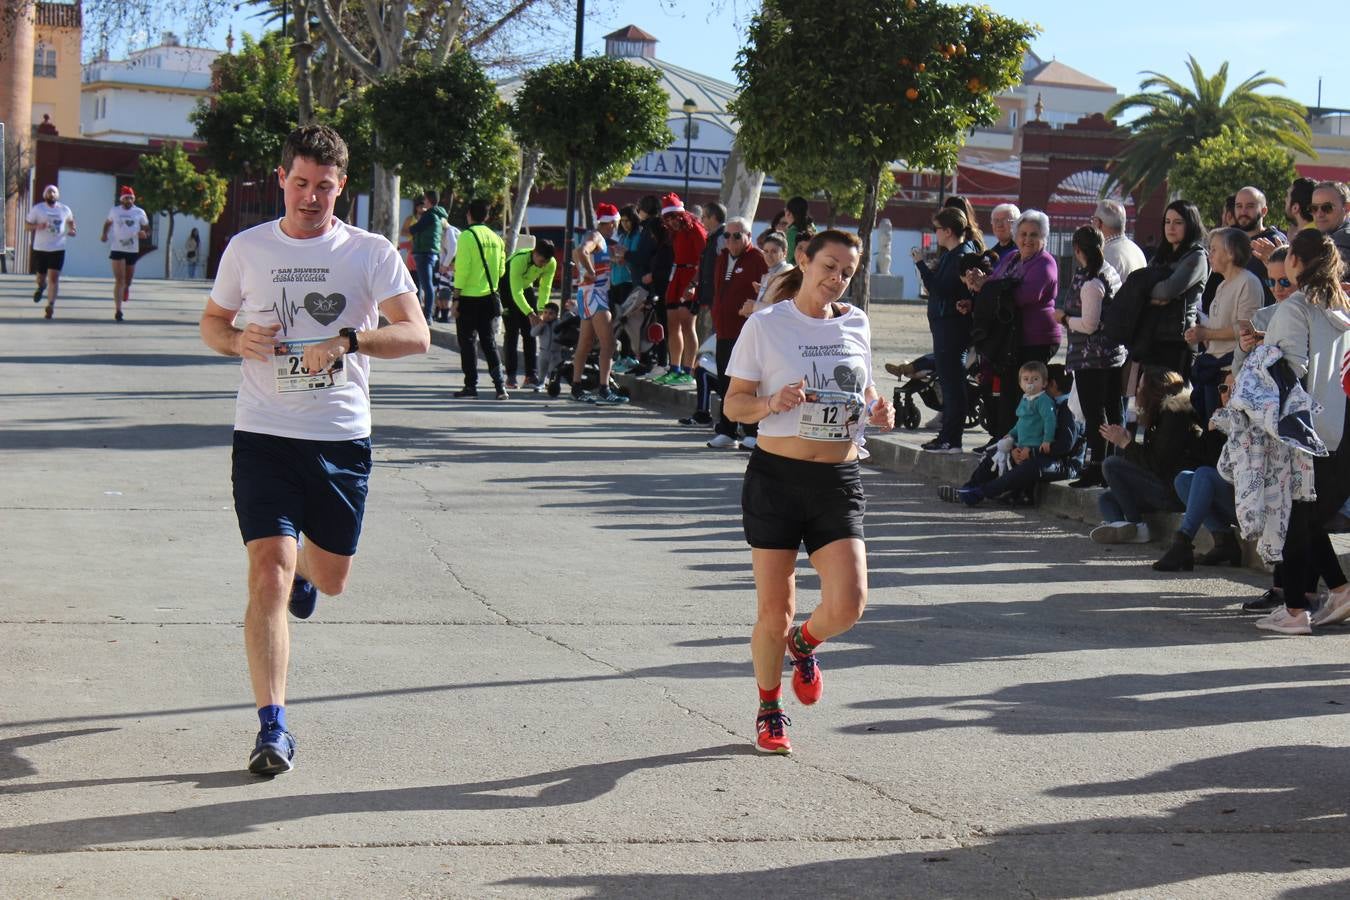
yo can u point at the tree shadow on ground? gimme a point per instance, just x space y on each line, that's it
1260 814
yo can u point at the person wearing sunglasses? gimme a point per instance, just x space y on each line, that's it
1329 201
1252 333
739 267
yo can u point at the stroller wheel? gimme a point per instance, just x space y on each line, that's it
909 414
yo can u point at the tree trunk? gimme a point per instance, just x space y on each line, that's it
588 207
862 281
529 167
741 186
384 203
303 49
168 248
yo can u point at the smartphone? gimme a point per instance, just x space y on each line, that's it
1244 326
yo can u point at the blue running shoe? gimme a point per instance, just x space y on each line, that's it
304 596
274 753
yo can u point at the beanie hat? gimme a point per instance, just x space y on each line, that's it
606 212
671 203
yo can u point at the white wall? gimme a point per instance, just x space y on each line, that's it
90 196
132 115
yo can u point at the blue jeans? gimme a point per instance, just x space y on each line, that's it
951 339
1209 501
426 271
1131 491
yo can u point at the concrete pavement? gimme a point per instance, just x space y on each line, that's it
538 683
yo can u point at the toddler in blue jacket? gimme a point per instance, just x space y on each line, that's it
1035 411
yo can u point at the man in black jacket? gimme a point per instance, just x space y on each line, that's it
1250 212
714 219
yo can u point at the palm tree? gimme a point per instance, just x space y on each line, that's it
1176 118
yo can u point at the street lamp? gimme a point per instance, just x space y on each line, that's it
689 107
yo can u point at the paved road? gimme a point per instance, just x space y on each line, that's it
538 683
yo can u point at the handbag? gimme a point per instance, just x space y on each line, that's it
494 299
996 323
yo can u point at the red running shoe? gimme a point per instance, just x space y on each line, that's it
807 682
771 727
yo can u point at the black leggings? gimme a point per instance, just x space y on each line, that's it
1307 547
1099 393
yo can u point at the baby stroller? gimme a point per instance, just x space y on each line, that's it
568 332
924 384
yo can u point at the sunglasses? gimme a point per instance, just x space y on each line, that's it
1282 282
1327 209
735 235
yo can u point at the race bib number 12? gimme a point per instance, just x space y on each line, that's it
830 415
291 374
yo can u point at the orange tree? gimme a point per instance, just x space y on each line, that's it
849 87
168 183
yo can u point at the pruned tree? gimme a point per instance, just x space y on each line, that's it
254 107
598 113
1213 169
442 126
906 85
168 184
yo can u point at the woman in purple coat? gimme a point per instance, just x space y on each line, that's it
1037 277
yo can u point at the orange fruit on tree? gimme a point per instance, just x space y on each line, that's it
912 94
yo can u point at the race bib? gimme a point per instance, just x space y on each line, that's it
830 415
291 374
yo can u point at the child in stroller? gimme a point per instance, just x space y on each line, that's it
922 382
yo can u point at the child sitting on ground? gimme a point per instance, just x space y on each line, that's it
1026 456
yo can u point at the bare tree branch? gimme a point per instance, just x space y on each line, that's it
454 20
486 34
379 29
346 47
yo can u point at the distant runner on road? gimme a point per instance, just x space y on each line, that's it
123 230
51 222
309 291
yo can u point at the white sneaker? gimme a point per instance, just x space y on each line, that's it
749 442
1284 622
722 442
1121 532
1141 535
1334 609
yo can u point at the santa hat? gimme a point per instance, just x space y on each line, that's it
126 191
671 203
606 212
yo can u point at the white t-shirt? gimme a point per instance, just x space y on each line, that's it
312 287
54 218
781 345
125 233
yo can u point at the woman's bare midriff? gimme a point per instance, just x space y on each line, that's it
794 447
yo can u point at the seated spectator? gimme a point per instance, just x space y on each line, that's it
1139 476
1209 502
1012 471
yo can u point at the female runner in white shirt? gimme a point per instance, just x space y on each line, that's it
802 370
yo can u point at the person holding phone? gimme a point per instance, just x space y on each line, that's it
1239 296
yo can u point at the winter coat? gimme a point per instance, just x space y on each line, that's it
1171 441
1314 341
1037 287
943 282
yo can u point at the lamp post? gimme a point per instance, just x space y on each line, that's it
689 107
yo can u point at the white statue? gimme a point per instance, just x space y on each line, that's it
883 252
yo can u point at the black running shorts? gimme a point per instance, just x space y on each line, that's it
789 502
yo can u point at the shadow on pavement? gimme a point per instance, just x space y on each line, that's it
560 787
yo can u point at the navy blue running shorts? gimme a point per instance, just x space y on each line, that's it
789 502
287 486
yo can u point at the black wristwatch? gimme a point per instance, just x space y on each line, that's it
353 345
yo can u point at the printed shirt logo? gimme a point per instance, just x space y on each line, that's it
325 309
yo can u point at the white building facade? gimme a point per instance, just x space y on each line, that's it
146 97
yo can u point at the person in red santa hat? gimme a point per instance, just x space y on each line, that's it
592 259
688 237
123 230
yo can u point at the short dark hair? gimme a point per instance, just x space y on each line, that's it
717 211
318 144
431 197
551 306
478 210
544 248
1061 376
650 204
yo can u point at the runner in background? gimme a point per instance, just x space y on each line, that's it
123 229
51 222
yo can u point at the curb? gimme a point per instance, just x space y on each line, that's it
895 455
